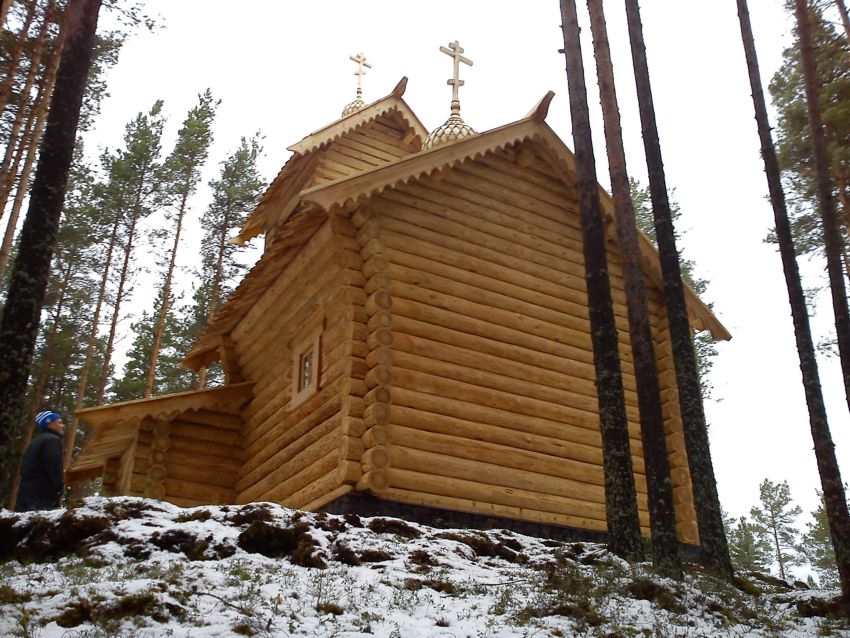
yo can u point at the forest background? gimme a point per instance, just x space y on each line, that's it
158 148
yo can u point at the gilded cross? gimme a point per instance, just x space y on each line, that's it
361 71
455 51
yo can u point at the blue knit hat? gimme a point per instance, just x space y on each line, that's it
43 419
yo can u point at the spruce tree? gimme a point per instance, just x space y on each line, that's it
816 547
748 546
775 519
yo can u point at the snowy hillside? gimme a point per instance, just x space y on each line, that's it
133 567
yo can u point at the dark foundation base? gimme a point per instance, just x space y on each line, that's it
367 505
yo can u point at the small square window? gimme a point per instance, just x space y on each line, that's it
305 369
306 365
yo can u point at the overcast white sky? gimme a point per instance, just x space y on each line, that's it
283 68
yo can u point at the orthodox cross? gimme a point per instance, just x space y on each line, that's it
455 51
360 72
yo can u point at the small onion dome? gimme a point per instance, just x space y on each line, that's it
453 130
355 106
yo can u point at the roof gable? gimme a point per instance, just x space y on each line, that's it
376 134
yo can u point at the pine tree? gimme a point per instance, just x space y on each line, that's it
169 378
620 495
793 132
816 547
828 470
748 546
21 313
131 194
775 518
706 501
235 194
181 174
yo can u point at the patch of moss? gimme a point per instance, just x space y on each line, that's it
250 513
330 608
10 596
421 557
10 535
484 546
275 542
46 538
375 556
393 526
344 554
820 607
194 515
178 540
646 589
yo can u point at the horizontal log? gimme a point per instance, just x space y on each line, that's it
214 418
290 452
276 482
375 458
574 397
349 472
582 499
379 376
352 426
484 415
375 436
507 456
533 374
415 497
473 490
259 436
377 414
314 491
380 356
374 481
507 351
381 319
381 337
375 265
207 476
211 433
350 448
178 488
320 467
199 447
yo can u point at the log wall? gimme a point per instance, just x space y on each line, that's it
481 393
293 454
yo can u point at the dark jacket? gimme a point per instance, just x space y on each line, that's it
41 473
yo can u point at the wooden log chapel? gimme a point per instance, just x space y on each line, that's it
415 336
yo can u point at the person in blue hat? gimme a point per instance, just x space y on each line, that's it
42 472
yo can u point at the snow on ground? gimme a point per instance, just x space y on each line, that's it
142 568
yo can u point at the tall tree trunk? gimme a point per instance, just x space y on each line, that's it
40 384
42 102
834 498
214 294
845 19
826 202
82 386
17 52
620 497
166 294
24 116
20 321
662 514
119 297
709 518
